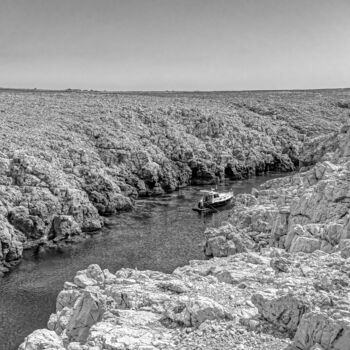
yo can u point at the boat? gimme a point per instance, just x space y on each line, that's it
213 199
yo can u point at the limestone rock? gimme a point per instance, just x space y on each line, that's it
92 276
225 241
87 310
318 328
176 286
284 311
66 298
345 248
42 339
195 311
64 227
11 247
280 264
305 244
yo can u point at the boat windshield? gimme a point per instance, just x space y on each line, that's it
207 198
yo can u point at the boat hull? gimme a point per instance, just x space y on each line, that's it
217 204
204 210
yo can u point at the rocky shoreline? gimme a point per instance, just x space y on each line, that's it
69 159
278 278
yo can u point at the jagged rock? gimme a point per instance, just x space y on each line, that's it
42 339
195 311
64 227
317 328
58 322
144 309
138 336
280 264
11 247
76 346
66 297
32 226
92 276
284 311
304 244
87 310
225 241
128 294
176 286
345 248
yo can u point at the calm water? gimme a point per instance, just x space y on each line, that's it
160 234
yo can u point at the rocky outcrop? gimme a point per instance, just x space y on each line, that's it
42 339
305 212
226 240
127 310
240 299
66 159
87 310
11 247
317 329
284 311
305 218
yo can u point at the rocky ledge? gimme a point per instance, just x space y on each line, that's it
279 279
271 300
67 159
301 213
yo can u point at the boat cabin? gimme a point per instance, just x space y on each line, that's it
212 199
209 196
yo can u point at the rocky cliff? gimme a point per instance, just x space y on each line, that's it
69 158
278 279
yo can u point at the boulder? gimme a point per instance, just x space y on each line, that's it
283 311
64 227
225 241
92 276
11 247
317 328
31 225
194 311
66 298
42 339
87 310
305 244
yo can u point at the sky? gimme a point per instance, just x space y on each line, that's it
175 44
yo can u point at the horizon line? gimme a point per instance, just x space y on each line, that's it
19 89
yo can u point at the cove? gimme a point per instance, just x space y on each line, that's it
159 234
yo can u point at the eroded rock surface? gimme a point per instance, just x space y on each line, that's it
226 301
305 212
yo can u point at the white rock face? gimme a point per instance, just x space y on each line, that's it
195 311
205 303
284 311
42 339
305 212
127 310
87 310
318 328
93 276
